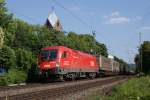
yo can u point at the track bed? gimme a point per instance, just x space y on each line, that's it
52 91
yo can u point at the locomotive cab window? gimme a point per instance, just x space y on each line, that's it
64 54
48 55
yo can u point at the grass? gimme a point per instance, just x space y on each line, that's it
133 89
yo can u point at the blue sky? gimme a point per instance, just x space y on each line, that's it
116 22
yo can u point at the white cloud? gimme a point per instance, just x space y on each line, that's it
114 14
116 18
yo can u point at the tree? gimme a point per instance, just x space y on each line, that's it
101 49
144 54
86 43
73 40
7 58
23 34
5 18
25 59
10 33
137 62
6 21
1 38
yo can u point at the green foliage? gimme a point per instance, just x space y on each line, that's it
86 43
13 76
145 50
16 76
10 33
146 56
73 40
7 57
101 49
23 34
3 80
134 89
25 59
1 38
5 18
6 21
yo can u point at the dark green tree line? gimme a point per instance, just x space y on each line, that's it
142 59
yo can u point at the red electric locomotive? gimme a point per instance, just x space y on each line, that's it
62 62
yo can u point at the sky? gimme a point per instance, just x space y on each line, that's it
117 23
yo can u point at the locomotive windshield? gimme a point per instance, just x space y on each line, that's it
48 55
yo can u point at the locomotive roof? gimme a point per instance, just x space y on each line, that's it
55 47
66 48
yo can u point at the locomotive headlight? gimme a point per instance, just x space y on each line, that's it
57 64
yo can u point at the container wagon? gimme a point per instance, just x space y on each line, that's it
108 66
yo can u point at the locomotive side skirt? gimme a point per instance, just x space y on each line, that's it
59 70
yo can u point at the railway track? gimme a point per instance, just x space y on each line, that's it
54 91
31 85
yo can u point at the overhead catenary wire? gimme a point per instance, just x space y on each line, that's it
85 23
74 16
90 27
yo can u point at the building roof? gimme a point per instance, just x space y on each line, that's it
53 22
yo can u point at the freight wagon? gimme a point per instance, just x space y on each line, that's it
108 66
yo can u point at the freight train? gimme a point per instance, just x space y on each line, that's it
59 62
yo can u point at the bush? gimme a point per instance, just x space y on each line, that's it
134 89
25 59
13 76
7 57
137 88
16 76
3 80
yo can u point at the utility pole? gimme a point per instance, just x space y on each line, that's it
94 42
140 48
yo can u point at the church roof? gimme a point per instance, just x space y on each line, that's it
53 21
52 18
